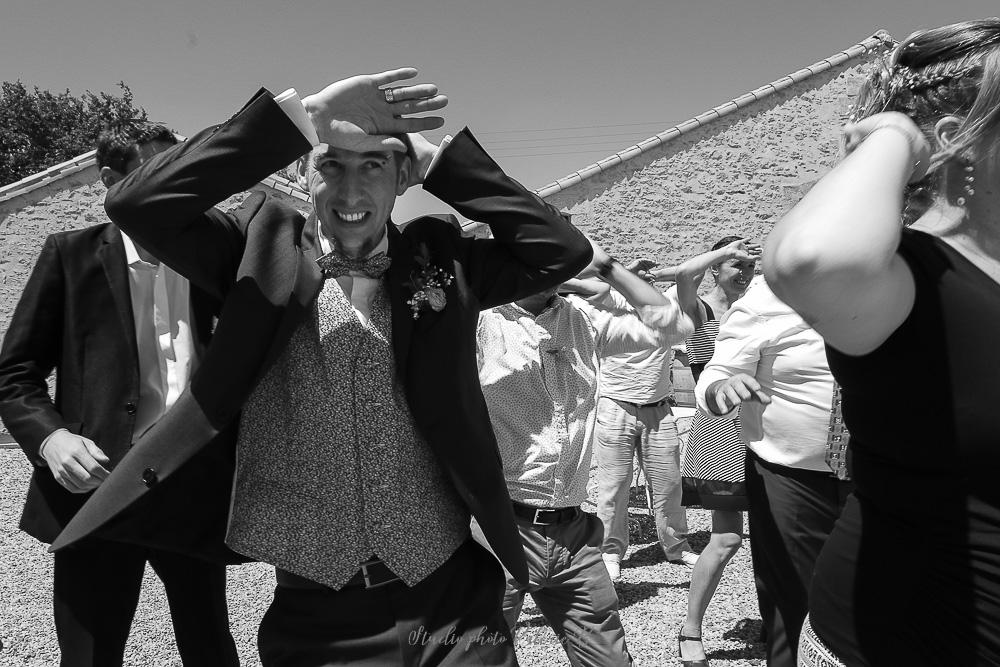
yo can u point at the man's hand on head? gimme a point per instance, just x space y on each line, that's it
360 105
640 266
76 462
422 155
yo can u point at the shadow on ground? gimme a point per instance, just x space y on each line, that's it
746 631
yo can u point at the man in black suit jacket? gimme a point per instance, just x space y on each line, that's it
365 443
80 315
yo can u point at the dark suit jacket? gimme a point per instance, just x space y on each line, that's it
75 316
262 263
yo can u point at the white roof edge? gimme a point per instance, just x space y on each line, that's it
85 160
880 37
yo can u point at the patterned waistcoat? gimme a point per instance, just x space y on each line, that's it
330 466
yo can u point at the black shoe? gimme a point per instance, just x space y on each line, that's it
690 663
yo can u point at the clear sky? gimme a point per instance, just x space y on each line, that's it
548 86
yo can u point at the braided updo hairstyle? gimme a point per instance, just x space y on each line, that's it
953 70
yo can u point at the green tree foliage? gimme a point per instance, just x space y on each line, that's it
39 129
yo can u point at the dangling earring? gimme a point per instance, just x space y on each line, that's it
969 185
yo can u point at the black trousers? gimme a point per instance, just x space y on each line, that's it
96 591
453 617
791 514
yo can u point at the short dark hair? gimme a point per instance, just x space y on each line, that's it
117 143
726 240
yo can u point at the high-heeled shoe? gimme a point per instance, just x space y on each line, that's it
681 637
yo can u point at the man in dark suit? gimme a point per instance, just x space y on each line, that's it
123 333
365 444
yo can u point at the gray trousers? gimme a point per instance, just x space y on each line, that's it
623 430
570 584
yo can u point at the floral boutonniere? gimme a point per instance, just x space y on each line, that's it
427 282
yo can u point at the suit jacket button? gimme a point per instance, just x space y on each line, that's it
130 408
149 477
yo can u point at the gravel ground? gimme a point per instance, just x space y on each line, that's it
653 596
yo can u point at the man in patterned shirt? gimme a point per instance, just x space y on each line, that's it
538 365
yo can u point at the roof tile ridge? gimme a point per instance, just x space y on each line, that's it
47 175
84 160
880 37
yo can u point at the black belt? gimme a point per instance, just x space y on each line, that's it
373 574
662 401
542 516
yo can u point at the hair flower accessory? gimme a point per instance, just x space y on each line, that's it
428 283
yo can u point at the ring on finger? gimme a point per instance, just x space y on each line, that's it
390 94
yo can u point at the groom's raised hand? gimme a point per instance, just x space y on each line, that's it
361 105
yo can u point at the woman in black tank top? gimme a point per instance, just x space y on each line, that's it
911 317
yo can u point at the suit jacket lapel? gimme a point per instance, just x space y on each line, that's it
402 265
112 255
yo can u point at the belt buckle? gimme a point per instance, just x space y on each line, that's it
368 578
537 521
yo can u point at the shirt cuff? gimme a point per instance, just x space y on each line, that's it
437 155
291 104
41 447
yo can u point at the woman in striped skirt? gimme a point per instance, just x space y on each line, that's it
713 464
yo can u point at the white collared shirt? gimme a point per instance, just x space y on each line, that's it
539 377
161 311
764 338
641 375
359 288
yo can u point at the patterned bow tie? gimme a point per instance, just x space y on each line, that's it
334 265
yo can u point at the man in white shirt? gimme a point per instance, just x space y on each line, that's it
635 417
124 333
538 365
772 365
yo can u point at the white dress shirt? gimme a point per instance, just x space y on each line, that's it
359 287
763 337
641 376
539 377
161 310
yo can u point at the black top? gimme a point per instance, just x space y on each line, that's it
701 344
911 573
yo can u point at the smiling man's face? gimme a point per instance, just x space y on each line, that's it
353 193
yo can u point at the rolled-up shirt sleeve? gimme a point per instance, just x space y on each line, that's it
737 350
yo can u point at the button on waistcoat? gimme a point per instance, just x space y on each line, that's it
330 466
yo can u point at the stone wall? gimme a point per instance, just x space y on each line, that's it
735 175
71 202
